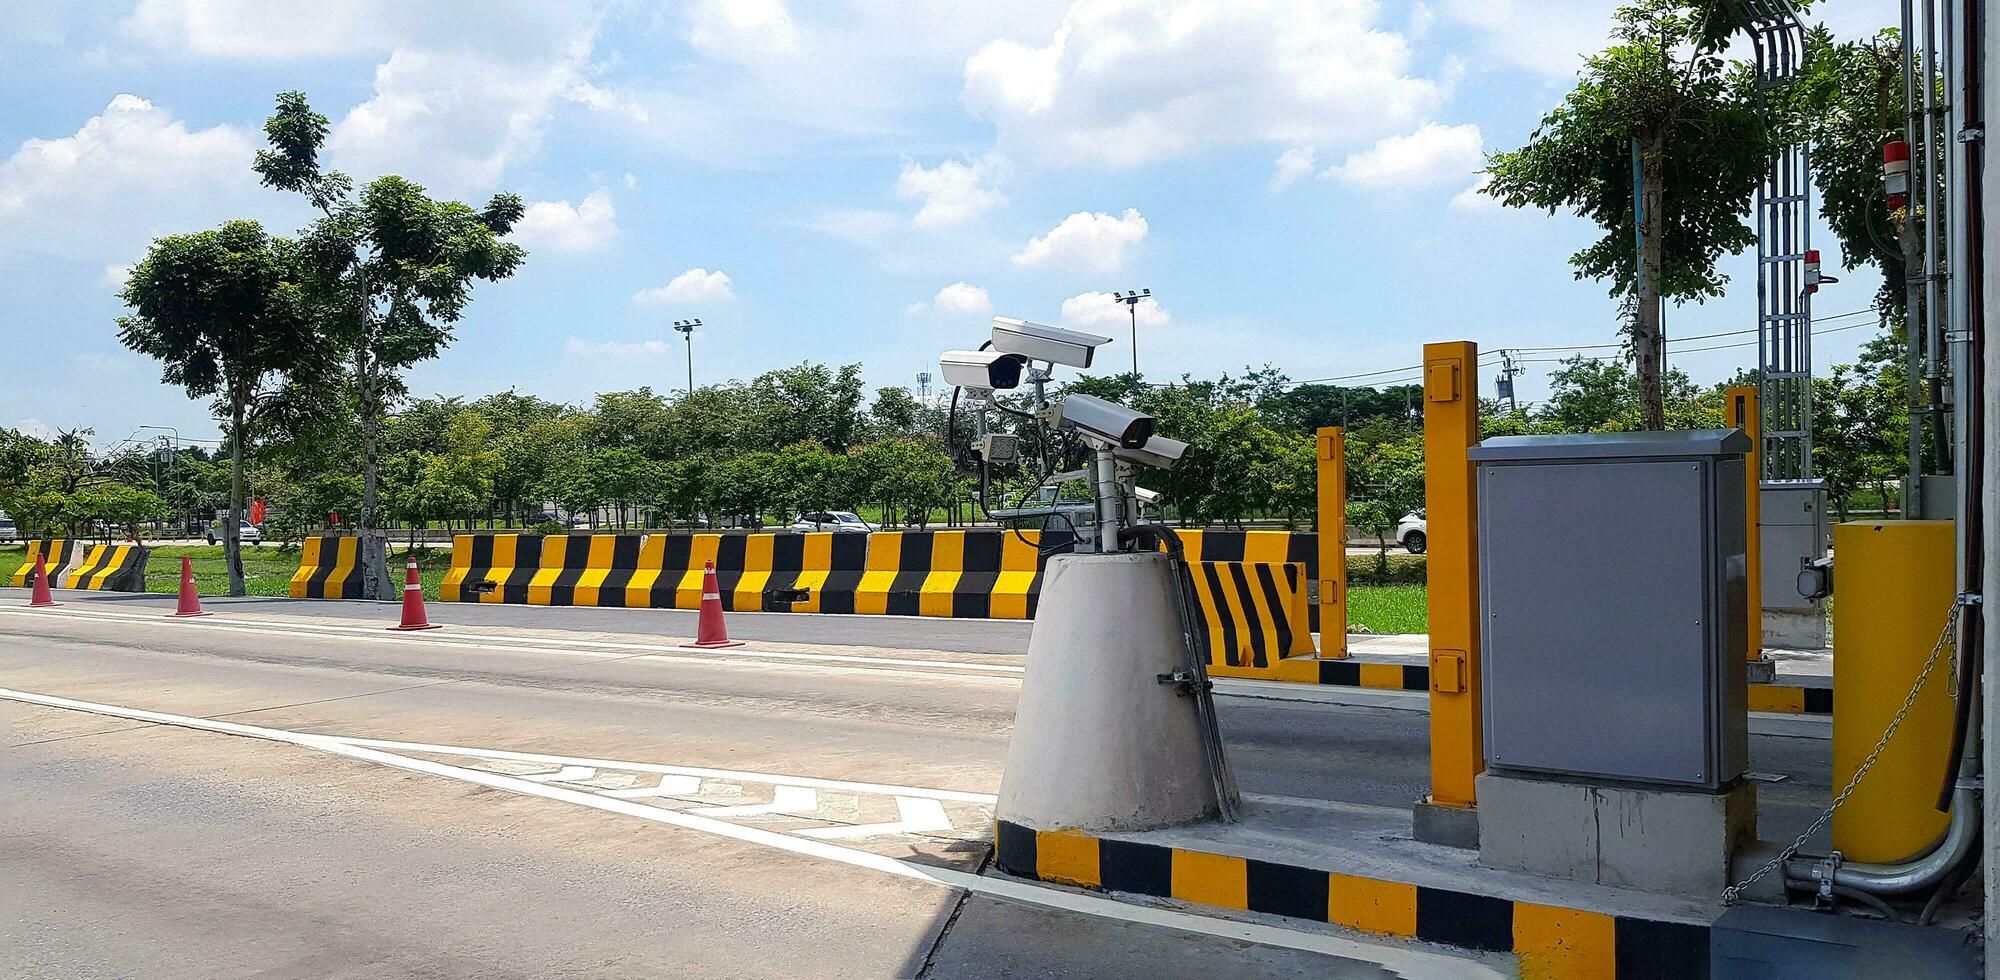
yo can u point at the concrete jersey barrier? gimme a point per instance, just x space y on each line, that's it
109 568
1254 616
57 552
329 568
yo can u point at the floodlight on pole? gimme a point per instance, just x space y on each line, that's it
1131 298
686 327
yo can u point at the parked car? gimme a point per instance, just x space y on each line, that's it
246 532
8 532
549 517
1411 532
833 520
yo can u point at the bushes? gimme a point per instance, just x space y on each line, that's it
1401 570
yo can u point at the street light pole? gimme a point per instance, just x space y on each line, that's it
1131 298
686 327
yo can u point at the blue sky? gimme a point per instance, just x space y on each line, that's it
837 181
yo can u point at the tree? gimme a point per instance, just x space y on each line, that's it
389 268
225 314
1665 94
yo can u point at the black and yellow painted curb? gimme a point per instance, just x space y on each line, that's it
1782 698
329 568
57 553
1551 941
109 568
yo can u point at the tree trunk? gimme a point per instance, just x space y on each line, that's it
1648 333
367 409
232 543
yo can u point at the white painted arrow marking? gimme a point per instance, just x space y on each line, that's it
785 799
918 816
568 774
669 786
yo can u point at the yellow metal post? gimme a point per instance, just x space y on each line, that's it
1451 427
1741 411
1332 525
1895 585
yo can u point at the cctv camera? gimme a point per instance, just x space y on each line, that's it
1041 342
1159 452
1106 421
985 369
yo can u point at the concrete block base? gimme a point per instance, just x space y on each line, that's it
1795 629
1445 825
1654 838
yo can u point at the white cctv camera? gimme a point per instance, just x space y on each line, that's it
1105 421
983 369
1041 342
1159 452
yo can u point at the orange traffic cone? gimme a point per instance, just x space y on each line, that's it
41 596
413 602
711 633
190 603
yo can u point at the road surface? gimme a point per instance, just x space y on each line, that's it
286 789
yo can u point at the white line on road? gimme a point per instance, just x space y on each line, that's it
1406 962
567 774
795 800
918 816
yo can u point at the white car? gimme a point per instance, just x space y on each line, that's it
246 532
833 520
1410 533
8 532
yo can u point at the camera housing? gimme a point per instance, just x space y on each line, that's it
1106 421
1159 452
983 369
1041 342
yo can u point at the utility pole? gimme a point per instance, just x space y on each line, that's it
1505 383
1131 298
686 327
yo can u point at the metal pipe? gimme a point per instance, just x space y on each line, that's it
1913 250
1921 873
1110 500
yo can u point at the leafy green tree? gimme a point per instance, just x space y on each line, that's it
1664 92
389 269
224 313
1384 482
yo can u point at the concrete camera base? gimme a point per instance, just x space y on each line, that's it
1659 839
1447 826
1099 743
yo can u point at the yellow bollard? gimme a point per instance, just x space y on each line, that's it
1451 427
1332 525
1741 411
1894 584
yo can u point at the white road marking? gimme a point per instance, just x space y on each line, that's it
669 786
568 774
1407 962
918 816
794 800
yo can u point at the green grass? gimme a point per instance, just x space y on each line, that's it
1389 608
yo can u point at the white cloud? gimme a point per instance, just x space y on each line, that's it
609 350
1123 83
1089 240
257 30
742 30
1100 311
127 174
1292 165
1547 37
631 181
562 227
696 285
36 428
1474 198
1433 154
962 297
952 192
115 275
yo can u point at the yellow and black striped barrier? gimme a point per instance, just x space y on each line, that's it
57 553
329 568
1255 616
109 568
1550 941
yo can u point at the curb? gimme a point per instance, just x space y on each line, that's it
1782 698
1549 940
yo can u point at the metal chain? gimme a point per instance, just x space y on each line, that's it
1731 893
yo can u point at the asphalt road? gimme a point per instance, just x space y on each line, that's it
138 848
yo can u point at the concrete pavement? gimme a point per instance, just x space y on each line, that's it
167 837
